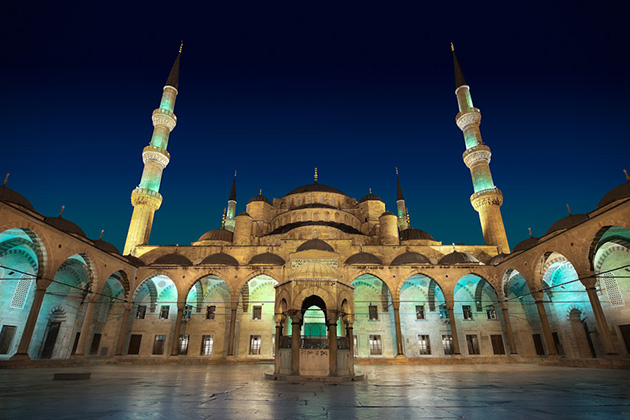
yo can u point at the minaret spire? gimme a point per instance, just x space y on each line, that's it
403 220
231 208
487 198
146 198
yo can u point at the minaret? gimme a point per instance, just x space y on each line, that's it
400 203
231 207
487 198
146 198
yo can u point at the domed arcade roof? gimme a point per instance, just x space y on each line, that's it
497 259
314 271
458 258
217 235
363 258
620 192
370 197
259 197
174 259
526 244
267 258
10 196
410 258
106 246
220 258
65 225
411 234
567 222
314 188
315 244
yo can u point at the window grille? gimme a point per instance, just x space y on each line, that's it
472 342
424 343
164 309
419 311
254 344
158 344
376 347
141 312
206 345
443 311
491 312
21 292
373 313
211 312
257 312
182 347
447 344
188 311
467 311
612 289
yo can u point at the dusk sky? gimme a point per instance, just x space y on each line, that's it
275 89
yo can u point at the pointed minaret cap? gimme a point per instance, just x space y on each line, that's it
173 77
459 76
399 194
233 192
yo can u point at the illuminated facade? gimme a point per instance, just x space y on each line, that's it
315 269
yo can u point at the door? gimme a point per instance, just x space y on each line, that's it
51 338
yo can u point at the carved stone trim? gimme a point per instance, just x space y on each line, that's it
144 197
164 117
484 199
474 155
469 118
152 154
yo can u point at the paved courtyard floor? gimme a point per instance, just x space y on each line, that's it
390 392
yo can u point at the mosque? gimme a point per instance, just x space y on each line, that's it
316 280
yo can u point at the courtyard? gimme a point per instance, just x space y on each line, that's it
392 392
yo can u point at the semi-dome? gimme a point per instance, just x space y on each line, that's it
370 197
106 246
174 259
315 244
217 235
267 258
414 234
9 196
364 258
220 258
567 222
620 192
259 197
314 188
526 244
410 258
314 271
456 257
65 225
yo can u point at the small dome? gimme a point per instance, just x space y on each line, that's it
10 196
415 234
567 222
458 258
106 246
174 259
620 192
217 235
267 258
497 259
220 258
526 244
314 271
244 213
64 224
135 261
259 197
410 258
364 258
370 197
387 213
315 244
314 188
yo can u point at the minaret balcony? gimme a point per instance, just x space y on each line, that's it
476 154
164 117
143 196
471 116
157 155
486 198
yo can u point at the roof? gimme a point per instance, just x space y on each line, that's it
399 193
259 197
233 191
173 76
314 188
220 258
135 261
526 244
314 271
459 75
567 222
414 234
267 258
370 197
106 246
620 192
65 225
337 225
217 235
174 259
410 258
458 258
496 260
10 196
364 258
315 244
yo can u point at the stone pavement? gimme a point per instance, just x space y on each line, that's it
390 392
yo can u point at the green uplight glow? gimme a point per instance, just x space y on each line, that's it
482 180
159 139
470 138
151 183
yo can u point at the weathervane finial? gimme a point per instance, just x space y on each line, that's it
316 175
223 219
181 45
61 212
569 209
6 179
624 171
397 170
530 232
101 237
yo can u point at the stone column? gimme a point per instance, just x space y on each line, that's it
332 345
399 338
230 352
508 328
451 317
178 326
85 328
31 321
350 335
600 318
123 330
544 322
296 344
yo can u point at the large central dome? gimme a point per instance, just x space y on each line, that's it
315 188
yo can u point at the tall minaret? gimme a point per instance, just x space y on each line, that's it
231 207
146 198
487 198
400 203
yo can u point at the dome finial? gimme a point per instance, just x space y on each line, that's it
396 170
101 237
260 192
452 47
315 175
61 212
530 232
223 219
569 209
370 190
624 171
454 249
6 179
181 45
407 216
